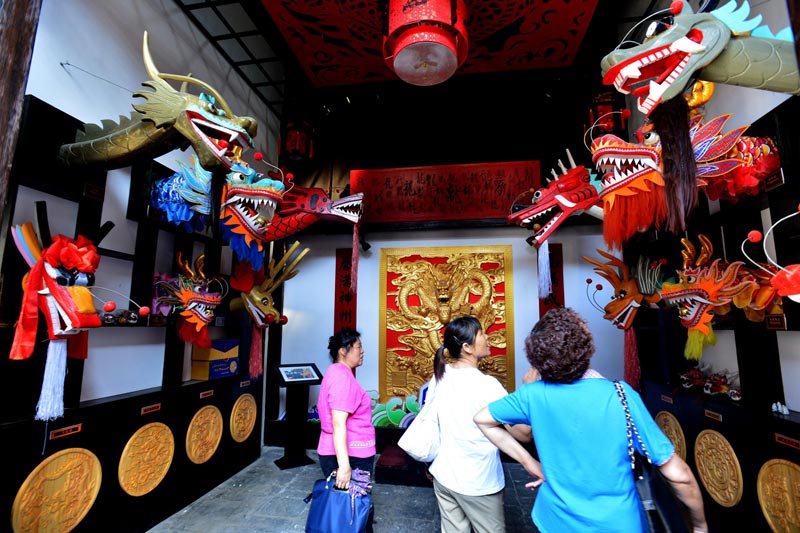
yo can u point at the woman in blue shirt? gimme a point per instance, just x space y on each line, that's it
585 479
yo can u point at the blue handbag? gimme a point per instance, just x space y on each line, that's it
341 511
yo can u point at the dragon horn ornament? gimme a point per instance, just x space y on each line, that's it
168 119
720 46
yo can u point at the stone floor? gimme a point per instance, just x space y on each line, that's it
262 498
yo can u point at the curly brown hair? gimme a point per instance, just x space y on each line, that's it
560 346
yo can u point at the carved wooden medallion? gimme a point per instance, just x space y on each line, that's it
243 417
146 459
718 468
58 493
779 495
672 429
204 434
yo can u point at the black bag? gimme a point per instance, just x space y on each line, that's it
663 510
341 511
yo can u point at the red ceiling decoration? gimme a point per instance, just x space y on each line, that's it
339 43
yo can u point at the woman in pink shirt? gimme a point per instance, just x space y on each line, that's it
347 438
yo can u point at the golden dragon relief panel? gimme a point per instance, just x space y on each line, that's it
422 289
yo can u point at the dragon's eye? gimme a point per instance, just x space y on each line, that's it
623 293
214 110
237 178
656 27
537 195
650 138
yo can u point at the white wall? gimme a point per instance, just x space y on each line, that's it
309 297
103 39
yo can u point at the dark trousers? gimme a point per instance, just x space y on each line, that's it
328 463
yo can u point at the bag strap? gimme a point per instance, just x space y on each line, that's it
631 427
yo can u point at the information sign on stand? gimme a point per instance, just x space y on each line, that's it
297 378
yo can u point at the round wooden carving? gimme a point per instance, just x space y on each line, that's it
718 468
58 493
672 429
146 459
204 434
243 417
779 493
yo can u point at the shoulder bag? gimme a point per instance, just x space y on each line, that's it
662 508
421 438
341 511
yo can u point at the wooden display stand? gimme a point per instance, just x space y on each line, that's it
297 378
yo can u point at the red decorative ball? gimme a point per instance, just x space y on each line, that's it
290 176
144 311
222 143
798 207
270 318
676 7
599 287
284 319
626 113
109 307
588 281
754 236
258 156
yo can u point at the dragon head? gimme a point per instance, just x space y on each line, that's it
190 294
629 293
568 194
258 301
249 203
663 65
216 134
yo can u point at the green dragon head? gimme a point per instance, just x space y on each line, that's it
217 135
662 66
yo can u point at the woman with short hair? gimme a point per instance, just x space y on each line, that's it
584 478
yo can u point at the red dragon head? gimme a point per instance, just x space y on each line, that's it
571 193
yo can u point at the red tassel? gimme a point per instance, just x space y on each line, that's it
256 353
632 371
354 263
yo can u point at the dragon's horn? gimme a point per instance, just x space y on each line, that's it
184 265
150 66
571 161
288 272
160 77
553 172
706 250
562 167
688 253
199 264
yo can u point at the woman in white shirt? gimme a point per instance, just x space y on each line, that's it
468 476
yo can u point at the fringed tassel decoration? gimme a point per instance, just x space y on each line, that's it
354 262
256 353
51 399
632 371
545 282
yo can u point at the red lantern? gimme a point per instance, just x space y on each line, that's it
427 41
299 143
